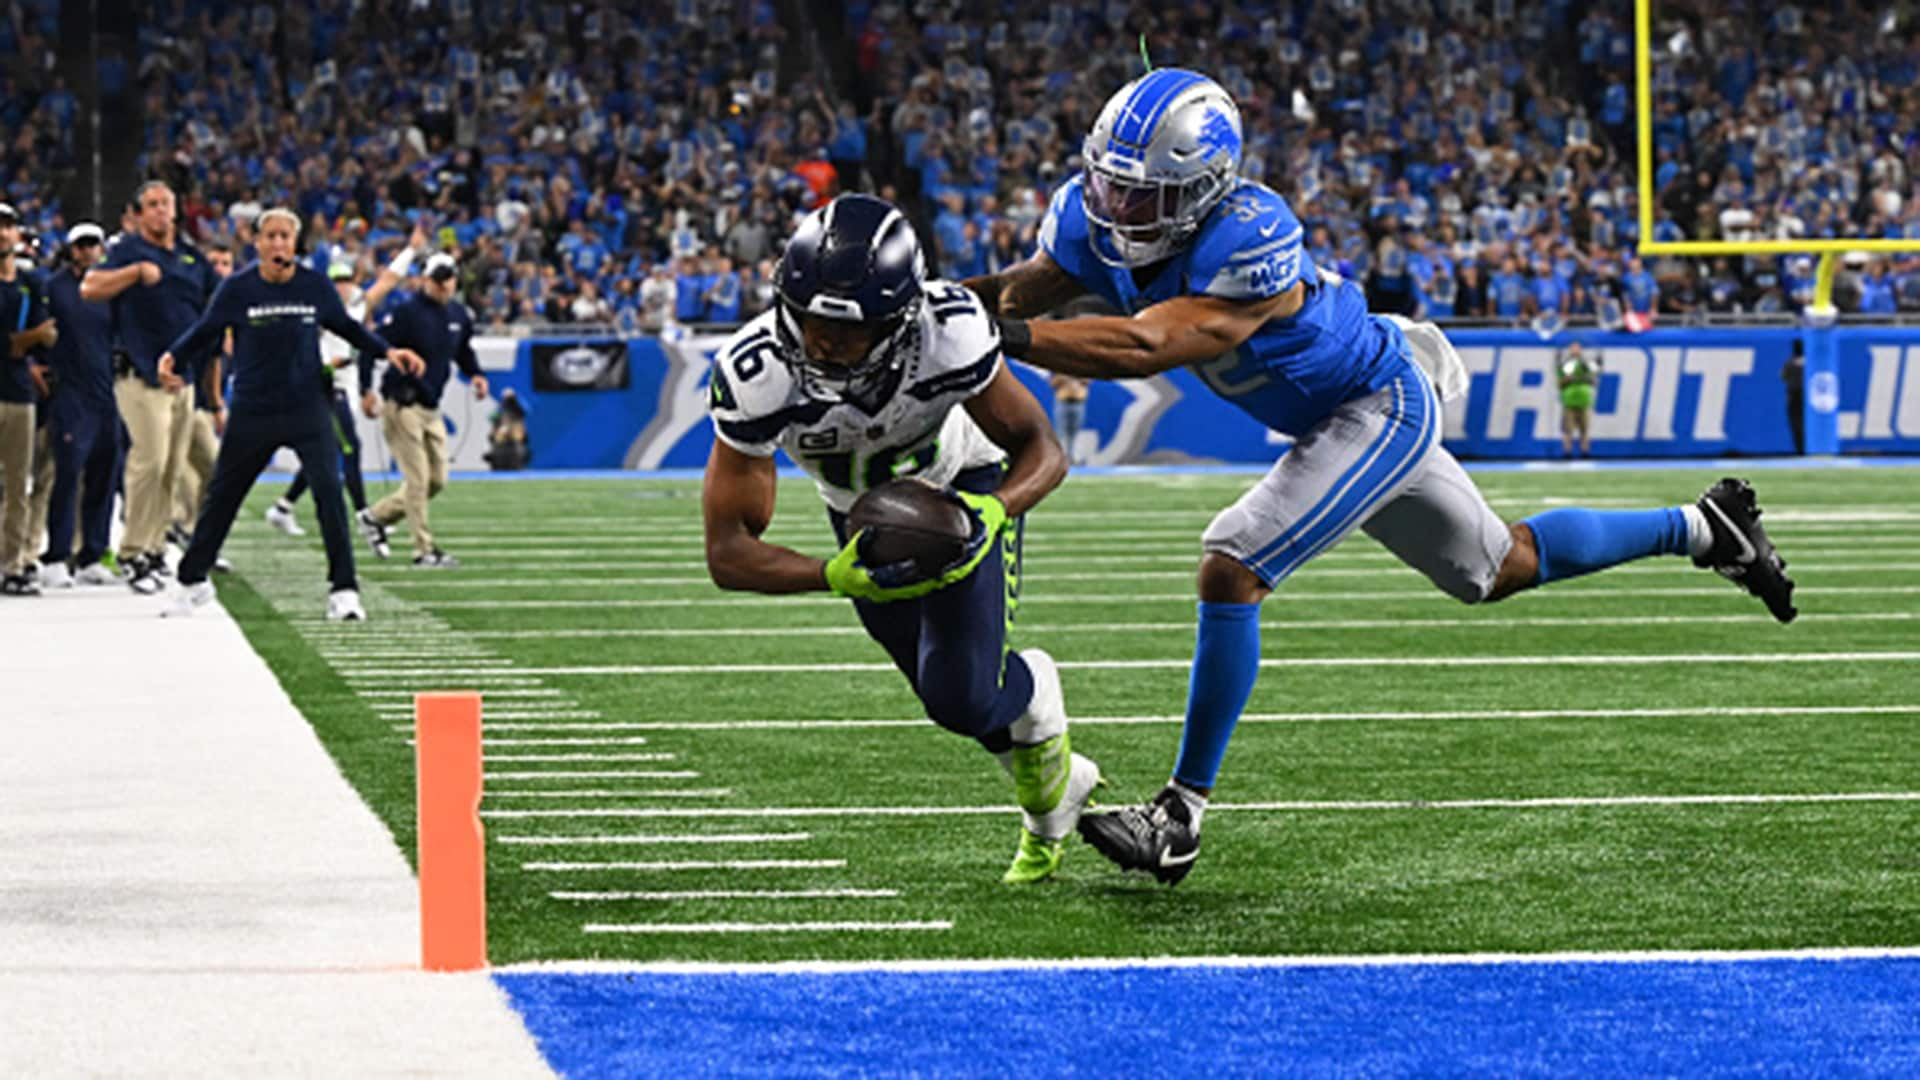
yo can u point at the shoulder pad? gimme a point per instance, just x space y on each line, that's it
960 344
751 394
1249 248
1063 231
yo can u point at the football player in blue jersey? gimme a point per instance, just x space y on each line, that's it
1210 273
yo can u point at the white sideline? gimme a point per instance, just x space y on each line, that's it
1101 963
191 887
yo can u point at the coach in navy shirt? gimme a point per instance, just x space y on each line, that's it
440 329
157 284
281 397
85 427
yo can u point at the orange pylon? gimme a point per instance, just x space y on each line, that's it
453 855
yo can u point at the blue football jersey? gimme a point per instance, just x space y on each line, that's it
1292 372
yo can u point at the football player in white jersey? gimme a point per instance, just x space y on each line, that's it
864 371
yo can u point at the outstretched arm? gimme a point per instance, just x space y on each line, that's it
1173 333
1026 289
737 502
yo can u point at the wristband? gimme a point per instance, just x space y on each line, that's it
402 263
1016 337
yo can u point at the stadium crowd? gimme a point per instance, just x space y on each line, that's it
640 164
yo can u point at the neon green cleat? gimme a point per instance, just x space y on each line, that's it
1035 862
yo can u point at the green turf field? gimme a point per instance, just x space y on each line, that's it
1562 771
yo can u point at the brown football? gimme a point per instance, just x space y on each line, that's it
909 518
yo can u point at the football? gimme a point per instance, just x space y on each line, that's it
911 519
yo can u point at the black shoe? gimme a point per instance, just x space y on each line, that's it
179 537
142 577
1741 552
18 585
436 559
1157 837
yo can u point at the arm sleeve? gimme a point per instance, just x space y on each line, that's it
334 316
207 332
468 363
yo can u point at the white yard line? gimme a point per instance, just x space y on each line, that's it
608 793
1287 593
1488 622
725 894
597 774
1300 806
409 694
1103 963
761 928
520 758
1309 573
674 866
1326 717
630 740
684 838
1622 660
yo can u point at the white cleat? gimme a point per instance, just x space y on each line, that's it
56 575
344 606
95 574
187 599
284 521
1082 779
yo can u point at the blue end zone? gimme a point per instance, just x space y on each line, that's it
1783 1017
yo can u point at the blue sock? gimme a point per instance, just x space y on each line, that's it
1573 541
1226 659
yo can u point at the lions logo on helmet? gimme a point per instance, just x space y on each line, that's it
1164 151
855 260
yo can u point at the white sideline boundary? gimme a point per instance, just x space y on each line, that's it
192 888
1100 963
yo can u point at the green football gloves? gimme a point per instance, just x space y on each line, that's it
848 576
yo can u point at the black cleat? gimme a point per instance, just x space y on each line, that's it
1157 837
1741 552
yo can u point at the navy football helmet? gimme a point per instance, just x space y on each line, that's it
854 260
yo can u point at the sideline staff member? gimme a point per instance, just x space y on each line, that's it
276 310
27 326
158 284
441 329
85 429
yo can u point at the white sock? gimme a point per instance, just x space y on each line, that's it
1196 802
1699 533
282 505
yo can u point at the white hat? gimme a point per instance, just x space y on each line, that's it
437 262
86 230
7 211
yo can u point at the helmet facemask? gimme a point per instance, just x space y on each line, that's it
1145 221
868 382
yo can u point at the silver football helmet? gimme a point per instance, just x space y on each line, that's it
1165 149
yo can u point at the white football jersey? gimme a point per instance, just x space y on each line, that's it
952 353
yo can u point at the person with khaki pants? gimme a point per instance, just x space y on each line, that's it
440 329
203 442
158 284
23 314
